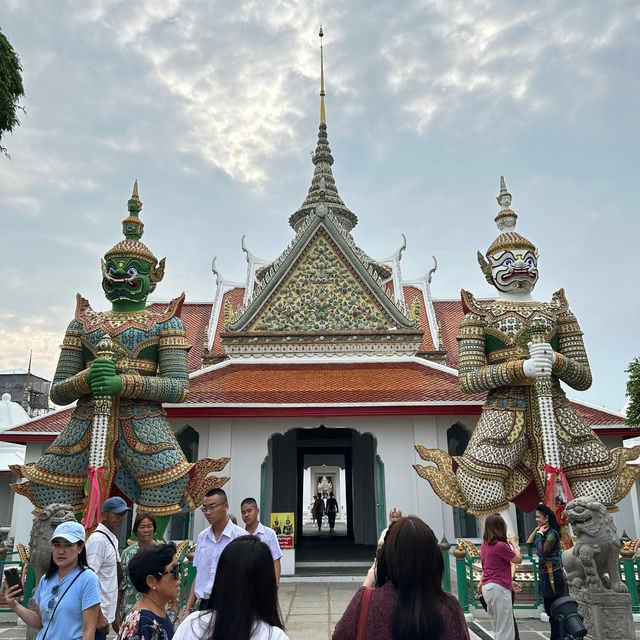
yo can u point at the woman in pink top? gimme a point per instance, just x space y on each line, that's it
498 553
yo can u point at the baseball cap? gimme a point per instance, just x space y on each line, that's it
115 504
72 531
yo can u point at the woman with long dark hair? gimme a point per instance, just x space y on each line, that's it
155 573
552 581
408 602
243 604
498 553
68 595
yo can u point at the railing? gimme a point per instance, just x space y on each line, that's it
468 572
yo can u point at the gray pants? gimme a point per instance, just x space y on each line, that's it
498 600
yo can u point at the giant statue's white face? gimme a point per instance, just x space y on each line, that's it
514 270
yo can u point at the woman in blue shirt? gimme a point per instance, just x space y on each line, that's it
68 595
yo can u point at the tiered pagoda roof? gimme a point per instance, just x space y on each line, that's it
322 330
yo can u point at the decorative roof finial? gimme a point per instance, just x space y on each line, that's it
322 176
132 226
322 114
506 219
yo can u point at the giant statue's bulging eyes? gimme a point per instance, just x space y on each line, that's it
132 271
111 271
530 261
508 261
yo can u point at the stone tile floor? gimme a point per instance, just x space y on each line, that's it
311 609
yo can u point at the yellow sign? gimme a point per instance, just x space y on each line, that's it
282 524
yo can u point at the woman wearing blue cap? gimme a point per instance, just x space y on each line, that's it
68 595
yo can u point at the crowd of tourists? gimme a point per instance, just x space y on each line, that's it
89 587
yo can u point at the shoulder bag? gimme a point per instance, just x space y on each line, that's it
364 611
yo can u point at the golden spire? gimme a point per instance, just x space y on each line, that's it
322 116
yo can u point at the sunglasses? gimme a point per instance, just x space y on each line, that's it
174 571
53 599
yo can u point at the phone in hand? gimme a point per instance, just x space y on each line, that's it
12 576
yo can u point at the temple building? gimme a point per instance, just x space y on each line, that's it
323 369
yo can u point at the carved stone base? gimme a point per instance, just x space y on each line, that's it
606 615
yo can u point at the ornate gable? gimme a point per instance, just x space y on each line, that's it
323 292
322 298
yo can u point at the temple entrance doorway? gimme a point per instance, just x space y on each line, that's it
304 462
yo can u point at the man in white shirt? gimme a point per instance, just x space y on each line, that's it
210 544
104 559
250 512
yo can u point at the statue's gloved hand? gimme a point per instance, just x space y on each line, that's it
103 378
541 360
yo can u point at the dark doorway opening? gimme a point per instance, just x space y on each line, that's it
351 455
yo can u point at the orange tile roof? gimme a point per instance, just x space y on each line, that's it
302 384
338 382
50 423
449 314
196 318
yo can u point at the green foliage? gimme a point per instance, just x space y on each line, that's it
633 391
11 88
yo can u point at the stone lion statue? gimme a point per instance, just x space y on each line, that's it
592 563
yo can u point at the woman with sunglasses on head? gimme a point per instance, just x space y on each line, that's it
68 595
155 573
552 581
243 604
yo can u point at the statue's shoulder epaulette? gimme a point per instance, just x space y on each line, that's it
559 301
471 305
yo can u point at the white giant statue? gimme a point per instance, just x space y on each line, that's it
530 445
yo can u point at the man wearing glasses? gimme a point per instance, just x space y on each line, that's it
210 544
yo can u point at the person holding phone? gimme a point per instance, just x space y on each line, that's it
68 595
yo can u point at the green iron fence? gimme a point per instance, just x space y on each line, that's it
468 572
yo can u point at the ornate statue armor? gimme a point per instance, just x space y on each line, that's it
516 450
139 456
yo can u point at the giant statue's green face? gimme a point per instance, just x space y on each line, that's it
126 279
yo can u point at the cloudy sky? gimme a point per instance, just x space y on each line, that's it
213 106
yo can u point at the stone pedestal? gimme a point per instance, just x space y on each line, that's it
606 614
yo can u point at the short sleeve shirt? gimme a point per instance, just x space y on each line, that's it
496 563
207 555
103 558
66 621
195 626
268 536
142 624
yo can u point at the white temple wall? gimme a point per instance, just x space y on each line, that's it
624 519
22 518
245 440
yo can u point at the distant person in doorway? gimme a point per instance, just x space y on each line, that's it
332 511
405 600
394 515
318 511
250 516
210 544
